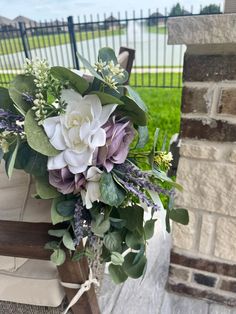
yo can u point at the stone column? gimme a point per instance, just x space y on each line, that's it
203 258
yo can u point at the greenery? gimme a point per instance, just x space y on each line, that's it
176 10
211 8
12 45
157 29
164 105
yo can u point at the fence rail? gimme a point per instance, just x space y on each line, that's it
156 64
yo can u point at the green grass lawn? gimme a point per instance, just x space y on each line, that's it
163 111
156 79
157 29
12 45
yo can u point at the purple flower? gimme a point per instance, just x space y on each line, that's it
65 181
119 134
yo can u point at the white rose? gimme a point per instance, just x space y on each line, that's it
78 132
92 189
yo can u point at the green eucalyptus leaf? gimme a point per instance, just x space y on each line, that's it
52 245
134 240
117 258
68 241
31 161
107 98
100 225
11 158
58 257
112 241
117 223
131 110
84 253
55 216
57 232
143 136
111 193
168 229
117 273
133 215
66 208
6 102
77 82
1 154
134 270
107 54
149 228
161 175
36 137
44 189
89 67
22 84
179 215
135 96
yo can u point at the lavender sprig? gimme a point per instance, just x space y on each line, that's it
11 122
142 196
82 220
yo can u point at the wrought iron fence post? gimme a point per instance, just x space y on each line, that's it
24 39
73 42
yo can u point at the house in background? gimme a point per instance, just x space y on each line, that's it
112 23
155 18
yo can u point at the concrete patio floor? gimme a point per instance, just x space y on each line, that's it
148 296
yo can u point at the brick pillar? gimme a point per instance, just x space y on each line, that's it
203 257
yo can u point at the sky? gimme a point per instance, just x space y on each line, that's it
57 9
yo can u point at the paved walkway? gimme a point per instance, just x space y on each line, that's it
149 296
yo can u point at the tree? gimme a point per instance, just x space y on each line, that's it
176 10
212 8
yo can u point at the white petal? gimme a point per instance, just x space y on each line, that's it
106 112
93 191
96 106
49 125
70 96
85 130
98 139
57 162
77 162
93 174
57 140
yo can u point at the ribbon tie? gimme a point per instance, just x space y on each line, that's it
82 288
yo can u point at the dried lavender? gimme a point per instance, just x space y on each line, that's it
11 122
82 220
142 196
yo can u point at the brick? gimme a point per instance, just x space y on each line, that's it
225 242
204 280
185 289
232 156
194 100
227 102
210 266
228 285
184 235
205 68
210 129
207 234
199 150
206 185
180 273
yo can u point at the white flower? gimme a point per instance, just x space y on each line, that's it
78 132
92 189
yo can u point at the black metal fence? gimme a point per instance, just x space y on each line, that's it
156 64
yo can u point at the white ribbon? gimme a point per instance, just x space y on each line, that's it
82 288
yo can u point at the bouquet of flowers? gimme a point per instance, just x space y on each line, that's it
82 139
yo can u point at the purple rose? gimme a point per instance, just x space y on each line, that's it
65 181
119 134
